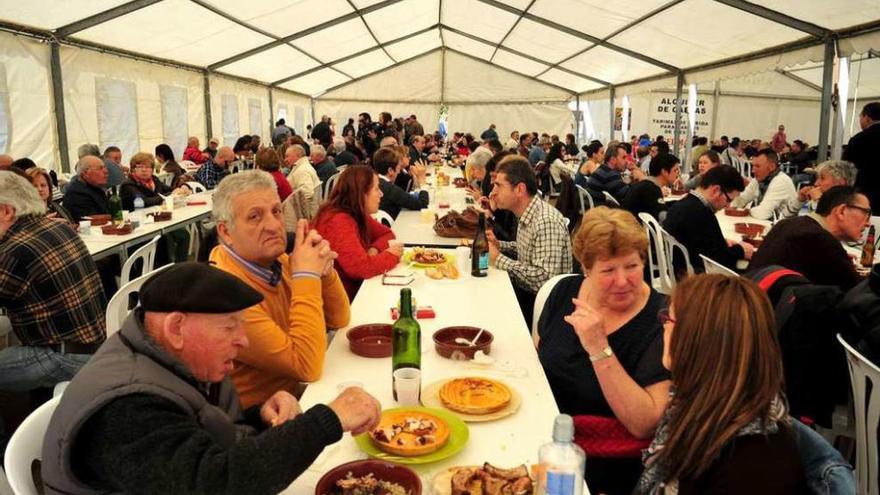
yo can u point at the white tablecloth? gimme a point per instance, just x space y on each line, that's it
416 228
488 302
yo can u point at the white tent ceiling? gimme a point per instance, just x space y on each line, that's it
311 46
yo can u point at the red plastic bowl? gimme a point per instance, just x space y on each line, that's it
444 342
372 340
381 470
749 229
736 212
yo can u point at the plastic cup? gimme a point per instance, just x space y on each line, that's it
408 382
463 260
85 227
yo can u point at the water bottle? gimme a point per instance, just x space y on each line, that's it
138 202
805 209
561 462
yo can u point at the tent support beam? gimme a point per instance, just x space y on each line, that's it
645 17
523 55
581 35
303 33
515 24
354 55
58 100
102 17
777 17
611 97
799 80
442 76
369 30
715 97
271 111
577 122
209 126
825 106
679 86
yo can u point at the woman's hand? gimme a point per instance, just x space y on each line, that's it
396 249
589 325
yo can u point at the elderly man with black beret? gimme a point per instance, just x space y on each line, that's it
154 411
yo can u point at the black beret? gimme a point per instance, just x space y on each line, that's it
196 288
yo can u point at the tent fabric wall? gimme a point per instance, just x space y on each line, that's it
293 105
82 69
239 93
552 118
31 129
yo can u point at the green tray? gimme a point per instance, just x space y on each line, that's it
458 437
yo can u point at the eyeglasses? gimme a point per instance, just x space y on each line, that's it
727 196
663 317
866 211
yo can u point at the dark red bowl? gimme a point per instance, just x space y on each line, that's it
372 340
444 341
381 470
748 229
736 212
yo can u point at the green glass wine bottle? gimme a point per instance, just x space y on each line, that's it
406 339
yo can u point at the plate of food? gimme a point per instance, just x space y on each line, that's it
369 477
473 398
425 257
447 271
415 435
486 479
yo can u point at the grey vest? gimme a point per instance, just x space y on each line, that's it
129 363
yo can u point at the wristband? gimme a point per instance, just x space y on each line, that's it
308 274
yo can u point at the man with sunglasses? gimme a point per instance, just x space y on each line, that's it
811 244
692 220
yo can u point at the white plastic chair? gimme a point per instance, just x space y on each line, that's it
713 266
196 187
328 187
146 253
117 308
195 238
541 299
662 280
25 446
384 218
585 199
166 178
672 244
5 489
867 412
611 200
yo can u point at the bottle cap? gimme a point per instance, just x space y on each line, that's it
563 428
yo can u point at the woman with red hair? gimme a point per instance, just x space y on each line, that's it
345 221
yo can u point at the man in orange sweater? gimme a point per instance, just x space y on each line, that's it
302 293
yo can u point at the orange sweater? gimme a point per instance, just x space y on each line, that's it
287 332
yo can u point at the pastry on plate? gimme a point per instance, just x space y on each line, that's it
474 395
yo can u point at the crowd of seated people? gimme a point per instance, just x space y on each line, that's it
697 377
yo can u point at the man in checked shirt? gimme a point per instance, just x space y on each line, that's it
542 248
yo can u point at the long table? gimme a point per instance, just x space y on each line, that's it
101 245
416 228
487 302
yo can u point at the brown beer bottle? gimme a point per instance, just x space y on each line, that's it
868 249
480 250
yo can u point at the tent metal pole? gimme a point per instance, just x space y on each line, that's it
271 110
777 17
825 106
58 99
713 130
611 113
209 131
312 110
102 17
577 121
799 80
677 134
442 76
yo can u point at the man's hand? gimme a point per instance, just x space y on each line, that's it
279 408
638 174
474 192
311 252
748 250
357 410
494 246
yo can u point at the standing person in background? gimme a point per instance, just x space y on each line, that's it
512 143
862 152
489 133
280 133
779 141
348 129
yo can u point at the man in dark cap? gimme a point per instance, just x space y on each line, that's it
154 411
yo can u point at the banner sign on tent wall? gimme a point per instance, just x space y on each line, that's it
618 118
663 116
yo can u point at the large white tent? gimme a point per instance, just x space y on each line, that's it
140 72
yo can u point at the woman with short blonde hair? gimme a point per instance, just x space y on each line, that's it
600 343
727 429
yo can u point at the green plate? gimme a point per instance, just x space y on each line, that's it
458 437
407 258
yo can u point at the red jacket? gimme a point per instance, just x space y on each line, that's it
353 263
194 155
284 189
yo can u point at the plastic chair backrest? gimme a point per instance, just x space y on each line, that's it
26 446
118 307
672 244
196 187
713 266
384 218
867 412
541 299
328 187
611 200
146 253
661 278
585 199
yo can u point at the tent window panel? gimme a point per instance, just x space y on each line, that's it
117 115
175 128
229 110
255 116
5 121
299 120
282 113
